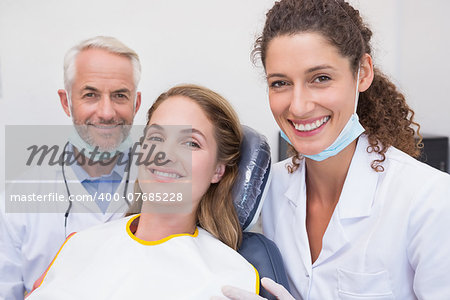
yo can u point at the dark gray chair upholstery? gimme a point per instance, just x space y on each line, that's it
248 194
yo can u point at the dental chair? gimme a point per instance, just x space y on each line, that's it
249 192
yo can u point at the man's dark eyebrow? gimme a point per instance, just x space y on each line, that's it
90 88
93 89
123 91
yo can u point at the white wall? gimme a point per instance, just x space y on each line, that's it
206 42
412 42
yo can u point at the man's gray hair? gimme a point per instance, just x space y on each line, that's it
107 43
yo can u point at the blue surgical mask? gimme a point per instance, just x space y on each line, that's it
90 151
351 131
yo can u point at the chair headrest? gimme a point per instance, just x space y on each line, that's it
253 179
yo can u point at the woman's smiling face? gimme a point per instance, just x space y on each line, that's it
180 129
311 90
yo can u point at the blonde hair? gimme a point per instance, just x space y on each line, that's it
216 212
106 43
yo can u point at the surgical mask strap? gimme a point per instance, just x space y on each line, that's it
357 92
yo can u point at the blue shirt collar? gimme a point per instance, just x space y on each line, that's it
82 175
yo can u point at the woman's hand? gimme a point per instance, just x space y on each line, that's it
271 286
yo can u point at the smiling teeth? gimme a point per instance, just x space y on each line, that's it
164 174
311 126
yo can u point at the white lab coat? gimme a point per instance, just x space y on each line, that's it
109 262
29 241
388 237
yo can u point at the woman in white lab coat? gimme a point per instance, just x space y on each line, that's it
354 215
182 245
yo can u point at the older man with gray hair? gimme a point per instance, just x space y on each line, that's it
101 76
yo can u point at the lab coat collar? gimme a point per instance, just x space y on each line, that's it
358 193
355 202
334 239
82 175
359 187
296 186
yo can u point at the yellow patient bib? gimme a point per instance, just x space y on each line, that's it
109 262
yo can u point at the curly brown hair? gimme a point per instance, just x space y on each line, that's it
382 109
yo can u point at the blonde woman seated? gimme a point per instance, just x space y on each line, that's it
180 248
